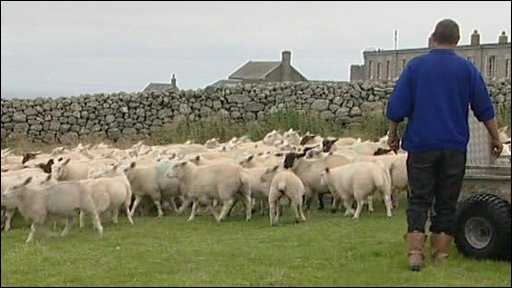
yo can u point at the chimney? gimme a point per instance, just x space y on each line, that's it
503 39
475 38
430 42
286 66
173 81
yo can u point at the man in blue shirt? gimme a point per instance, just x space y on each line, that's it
435 92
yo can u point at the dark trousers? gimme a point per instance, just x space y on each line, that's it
435 179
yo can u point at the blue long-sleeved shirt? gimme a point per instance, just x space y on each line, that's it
434 92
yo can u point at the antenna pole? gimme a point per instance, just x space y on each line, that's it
396 37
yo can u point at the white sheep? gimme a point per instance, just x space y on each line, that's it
399 178
192 148
264 160
310 139
333 144
110 190
291 137
9 179
397 166
259 188
221 181
358 181
309 170
150 180
283 184
212 143
76 170
368 147
59 199
272 137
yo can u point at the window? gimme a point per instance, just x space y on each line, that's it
507 68
491 64
370 76
378 70
387 70
403 64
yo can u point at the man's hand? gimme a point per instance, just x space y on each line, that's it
496 147
394 142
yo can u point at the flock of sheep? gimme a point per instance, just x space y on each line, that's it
279 169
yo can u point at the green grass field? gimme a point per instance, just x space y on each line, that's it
329 249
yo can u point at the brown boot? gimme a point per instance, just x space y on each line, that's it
415 243
440 246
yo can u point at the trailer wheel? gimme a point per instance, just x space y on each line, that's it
483 227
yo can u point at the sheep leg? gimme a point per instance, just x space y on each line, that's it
230 209
115 215
394 199
307 197
184 205
262 207
33 228
248 211
253 205
272 212
334 204
127 211
8 216
69 223
389 205
295 206
228 204
81 219
302 217
135 204
173 205
158 208
279 211
348 206
2 217
194 211
370 203
320 197
210 207
360 203
96 222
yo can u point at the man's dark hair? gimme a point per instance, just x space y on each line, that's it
446 32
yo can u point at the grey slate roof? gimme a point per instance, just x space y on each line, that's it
223 82
254 70
161 87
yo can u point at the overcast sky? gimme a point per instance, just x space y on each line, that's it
73 48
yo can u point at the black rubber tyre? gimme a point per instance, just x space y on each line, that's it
483 227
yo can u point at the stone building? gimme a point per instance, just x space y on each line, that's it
492 59
264 71
162 87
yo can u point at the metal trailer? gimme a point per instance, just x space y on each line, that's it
483 211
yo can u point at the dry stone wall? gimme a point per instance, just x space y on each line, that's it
134 115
